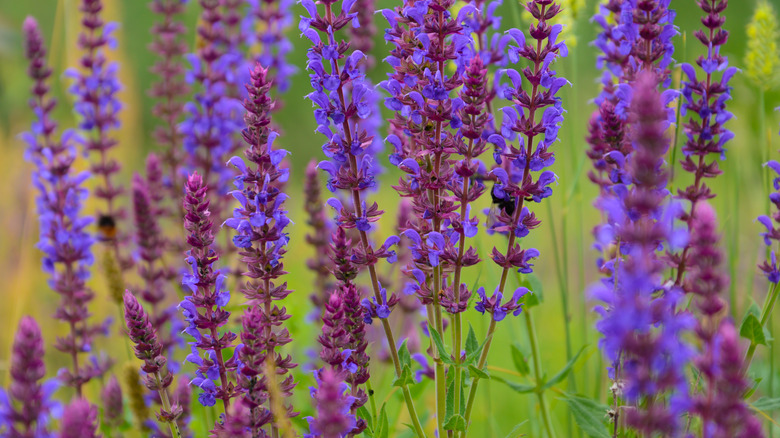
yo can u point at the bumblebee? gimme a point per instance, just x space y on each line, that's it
106 228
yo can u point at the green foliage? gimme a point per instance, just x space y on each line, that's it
588 414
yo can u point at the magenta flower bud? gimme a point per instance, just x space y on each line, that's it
79 420
113 406
334 419
144 336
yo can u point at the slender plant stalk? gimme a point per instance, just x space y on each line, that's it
529 323
166 404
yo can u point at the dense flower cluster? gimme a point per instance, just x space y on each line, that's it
26 409
64 240
276 17
642 331
334 419
170 90
79 420
214 116
772 224
204 309
260 221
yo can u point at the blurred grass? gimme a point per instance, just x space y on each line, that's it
741 198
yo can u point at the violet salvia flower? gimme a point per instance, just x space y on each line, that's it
276 17
149 349
79 420
64 241
26 407
214 116
772 224
318 239
150 251
720 405
95 89
344 343
204 309
260 221
170 89
641 326
334 419
723 409
339 95
113 406
706 133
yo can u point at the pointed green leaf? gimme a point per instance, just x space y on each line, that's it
751 330
404 356
363 413
382 427
563 372
766 404
589 415
517 387
476 372
472 344
405 378
514 433
445 357
521 365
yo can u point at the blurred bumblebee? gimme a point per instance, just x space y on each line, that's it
499 204
106 228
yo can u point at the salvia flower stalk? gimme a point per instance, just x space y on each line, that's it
95 89
705 131
64 240
334 419
318 239
260 222
79 420
26 409
275 18
170 90
113 405
332 69
642 330
204 308
149 349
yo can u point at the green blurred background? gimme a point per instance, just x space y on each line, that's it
566 265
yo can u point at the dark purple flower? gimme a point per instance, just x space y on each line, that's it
79 420
772 225
113 406
208 295
334 419
318 239
26 408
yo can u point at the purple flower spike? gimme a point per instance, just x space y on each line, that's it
79 420
209 296
772 224
276 18
64 239
260 222
318 239
26 409
113 406
334 419
170 89
643 330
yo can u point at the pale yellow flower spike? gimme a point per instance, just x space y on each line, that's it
762 60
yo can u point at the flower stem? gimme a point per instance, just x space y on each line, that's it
166 404
538 373
481 364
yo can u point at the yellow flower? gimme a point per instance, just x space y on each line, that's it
762 60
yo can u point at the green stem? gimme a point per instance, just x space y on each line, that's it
371 402
441 385
538 373
769 304
166 404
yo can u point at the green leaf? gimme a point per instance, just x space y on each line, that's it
476 372
363 413
382 427
403 355
472 344
514 432
751 330
753 389
766 404
521 365
445 357
405 378
517 387
449 398
456 422
589 415
563 372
